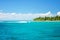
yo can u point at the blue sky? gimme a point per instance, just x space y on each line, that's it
30 6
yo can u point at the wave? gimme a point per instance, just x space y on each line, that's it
15 21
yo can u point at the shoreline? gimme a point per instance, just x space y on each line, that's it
46 21
25 21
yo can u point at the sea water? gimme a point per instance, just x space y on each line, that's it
30 31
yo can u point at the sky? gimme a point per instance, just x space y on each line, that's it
28 7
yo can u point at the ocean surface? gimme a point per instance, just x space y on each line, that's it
30 31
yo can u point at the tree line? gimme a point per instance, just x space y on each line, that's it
55 18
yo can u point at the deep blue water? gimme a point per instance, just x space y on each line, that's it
30 31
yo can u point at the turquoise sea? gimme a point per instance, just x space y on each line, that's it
30 31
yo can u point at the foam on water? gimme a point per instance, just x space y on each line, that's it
23 22
15 21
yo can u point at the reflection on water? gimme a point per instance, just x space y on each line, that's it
30 31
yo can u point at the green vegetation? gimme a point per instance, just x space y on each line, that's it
55 18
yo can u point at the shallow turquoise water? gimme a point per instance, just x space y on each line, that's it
30 31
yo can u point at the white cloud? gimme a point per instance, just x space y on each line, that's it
58 13
21 16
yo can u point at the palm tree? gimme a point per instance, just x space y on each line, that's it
55 18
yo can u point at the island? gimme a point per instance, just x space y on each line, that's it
54 18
